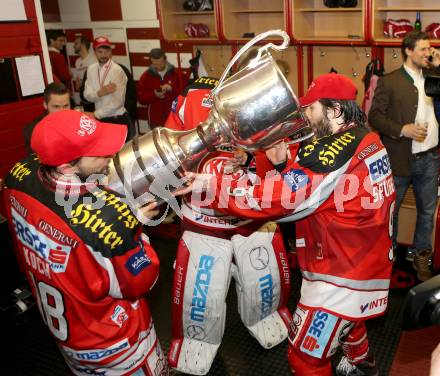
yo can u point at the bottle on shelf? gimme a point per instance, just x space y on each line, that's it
418 23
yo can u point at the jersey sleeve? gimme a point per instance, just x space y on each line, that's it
136 271
174 120
302 187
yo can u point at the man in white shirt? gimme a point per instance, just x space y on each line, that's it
405 117
105 86
85 59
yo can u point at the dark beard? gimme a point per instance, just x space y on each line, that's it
84 177
322 128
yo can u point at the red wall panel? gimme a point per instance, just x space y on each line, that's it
105 10
18 39
119 49
139 59
143 33
51 10
176 46
72 34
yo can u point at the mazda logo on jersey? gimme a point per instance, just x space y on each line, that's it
296 179
53 253
97 355
201 287
195 332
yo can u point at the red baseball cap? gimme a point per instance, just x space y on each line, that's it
67 135
101 42
329 86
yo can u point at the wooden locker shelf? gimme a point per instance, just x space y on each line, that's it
408 9
204 13
381 10
347 60
173 19
258 11
330 10
313 23
250 16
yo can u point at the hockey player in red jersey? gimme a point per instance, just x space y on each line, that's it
83 251
192 107
339 189
215 247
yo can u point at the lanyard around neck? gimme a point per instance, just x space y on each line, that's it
104 76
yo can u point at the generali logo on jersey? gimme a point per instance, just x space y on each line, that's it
86 126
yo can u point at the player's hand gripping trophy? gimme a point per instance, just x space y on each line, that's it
252 109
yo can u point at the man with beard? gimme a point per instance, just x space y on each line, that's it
339 189
106 85
82 248
405 117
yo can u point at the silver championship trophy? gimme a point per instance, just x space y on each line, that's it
252 109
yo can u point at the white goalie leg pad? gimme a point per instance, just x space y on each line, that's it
263 284
203 275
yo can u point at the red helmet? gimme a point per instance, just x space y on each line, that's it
397 28
196 30
433 30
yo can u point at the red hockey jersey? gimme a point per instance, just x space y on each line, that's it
193 106
89 267
340 190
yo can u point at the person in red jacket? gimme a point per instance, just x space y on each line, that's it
339 188
56 41
87 261
158 87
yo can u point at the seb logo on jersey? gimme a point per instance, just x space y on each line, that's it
46 252
319 333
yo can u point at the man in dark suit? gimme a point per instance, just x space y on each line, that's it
405 117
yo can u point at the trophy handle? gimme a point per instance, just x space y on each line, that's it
282 46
